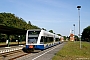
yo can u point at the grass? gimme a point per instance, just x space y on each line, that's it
72 51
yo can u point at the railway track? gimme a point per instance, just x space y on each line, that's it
12 55
20 55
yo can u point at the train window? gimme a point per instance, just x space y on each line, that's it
32 40
45 39
51 39
48 40
33 32
57 39
42 40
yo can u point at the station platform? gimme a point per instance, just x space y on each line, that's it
11 48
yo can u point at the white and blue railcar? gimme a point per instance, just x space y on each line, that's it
57 40
40 39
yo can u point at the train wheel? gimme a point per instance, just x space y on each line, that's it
28 50
24 49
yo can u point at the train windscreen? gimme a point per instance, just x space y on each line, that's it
33 36
32 40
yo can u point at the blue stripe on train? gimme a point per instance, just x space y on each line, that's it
27 46
39 47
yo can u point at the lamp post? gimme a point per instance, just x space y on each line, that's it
79 23
18 39
74 31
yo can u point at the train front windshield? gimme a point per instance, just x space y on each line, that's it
33 36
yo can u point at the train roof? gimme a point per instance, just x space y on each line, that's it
34 30
56 36
46 33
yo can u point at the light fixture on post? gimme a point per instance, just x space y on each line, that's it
79 23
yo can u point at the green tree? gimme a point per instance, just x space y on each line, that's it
59 34
44 29
29 22
86 34
51 31
64 37
9 19
76 38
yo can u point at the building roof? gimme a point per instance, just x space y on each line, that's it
11 30
71 35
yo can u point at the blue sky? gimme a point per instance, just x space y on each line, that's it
56 15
